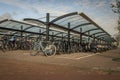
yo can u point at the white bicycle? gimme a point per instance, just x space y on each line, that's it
46 47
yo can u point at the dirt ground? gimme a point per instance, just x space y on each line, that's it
20 65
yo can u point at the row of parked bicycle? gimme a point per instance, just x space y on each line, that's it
74 47
14 43
51 47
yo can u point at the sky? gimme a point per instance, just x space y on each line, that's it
98 10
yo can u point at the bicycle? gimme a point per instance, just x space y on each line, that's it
1 46
48 48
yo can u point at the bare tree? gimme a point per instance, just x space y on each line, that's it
116 9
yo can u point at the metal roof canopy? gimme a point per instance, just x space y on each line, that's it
15 27
56 26
87 21
31 28
77 20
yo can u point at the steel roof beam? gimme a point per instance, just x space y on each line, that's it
97 33
33 27
102 35
66 15
3 28
58 33
3 21
91 30
27 19
105 36
29 28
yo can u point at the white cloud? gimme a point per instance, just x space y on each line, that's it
19 4
14 13
37 7
5 16
112 1
101 4
54 11
83 3
107 23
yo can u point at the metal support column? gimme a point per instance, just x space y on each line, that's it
100 41
21 34
62 36
40 34
73 39
47 26
94 37
52 36
81 36
88 36
68 37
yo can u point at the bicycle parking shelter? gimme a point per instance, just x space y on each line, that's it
72 26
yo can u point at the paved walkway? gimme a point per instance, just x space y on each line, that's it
82 60
19 65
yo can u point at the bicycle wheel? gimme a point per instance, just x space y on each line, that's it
1 47
50 51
